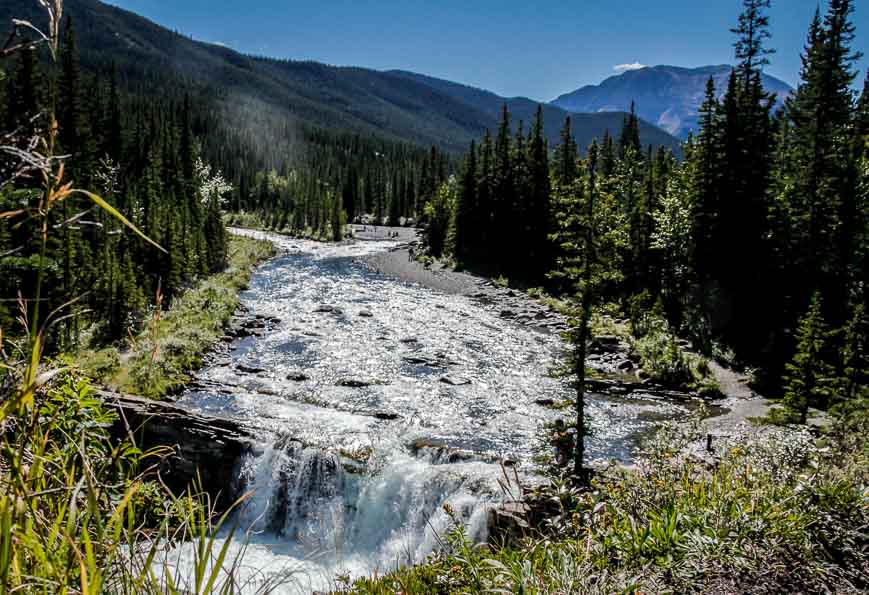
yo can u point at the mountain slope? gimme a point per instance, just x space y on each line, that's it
256 93
586 126
668 96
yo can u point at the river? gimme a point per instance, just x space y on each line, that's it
378 402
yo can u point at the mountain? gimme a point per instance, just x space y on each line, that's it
257 93
668 96
586 126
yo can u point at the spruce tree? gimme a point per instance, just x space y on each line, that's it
630 137
538 205
808 377
467 218
566 156
818 182
590 237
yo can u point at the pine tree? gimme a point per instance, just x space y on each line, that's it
538 205
861 119
485 186
630 137
706 163
808 376
851 383
503 190
818 182
752 34
590 236
24 94
566 156
467 218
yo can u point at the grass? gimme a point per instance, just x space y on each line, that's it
84 512
776 514
163 355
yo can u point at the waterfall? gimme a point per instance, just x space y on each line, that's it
390 513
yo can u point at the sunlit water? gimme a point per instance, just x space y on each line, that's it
352 480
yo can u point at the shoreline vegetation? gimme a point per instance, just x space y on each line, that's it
174 342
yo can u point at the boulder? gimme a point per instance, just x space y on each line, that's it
325 309
545 402
366 314
297 377
206 448
626 365
455 380
250 369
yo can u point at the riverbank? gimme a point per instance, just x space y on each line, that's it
775 514
173 344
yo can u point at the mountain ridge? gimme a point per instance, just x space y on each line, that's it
668 96
390 104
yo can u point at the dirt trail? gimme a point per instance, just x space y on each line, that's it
744 404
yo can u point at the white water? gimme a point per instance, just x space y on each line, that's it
353 481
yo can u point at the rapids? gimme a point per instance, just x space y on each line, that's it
363 441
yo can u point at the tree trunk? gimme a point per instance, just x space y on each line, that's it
580 356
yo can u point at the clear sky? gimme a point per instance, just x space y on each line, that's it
534 49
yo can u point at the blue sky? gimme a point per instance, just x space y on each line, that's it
535 49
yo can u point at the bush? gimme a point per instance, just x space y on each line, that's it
662 357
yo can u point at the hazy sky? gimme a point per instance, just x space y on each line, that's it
535 49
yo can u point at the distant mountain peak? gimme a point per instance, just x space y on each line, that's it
665 95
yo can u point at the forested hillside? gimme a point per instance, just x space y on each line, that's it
260 94
173 162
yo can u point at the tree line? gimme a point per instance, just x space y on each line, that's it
756 242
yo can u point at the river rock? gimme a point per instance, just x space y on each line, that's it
329 310
205 449
421 361
626 365
387 416
297 377
545 402
608 340
409 340
509 522
357 382
508 314
366 314
455 380
250 369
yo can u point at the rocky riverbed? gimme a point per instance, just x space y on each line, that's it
379 397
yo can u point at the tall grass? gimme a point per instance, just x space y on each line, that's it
161 358
81 512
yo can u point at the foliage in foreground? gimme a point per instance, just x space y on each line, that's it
175 341
776 514
81 512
